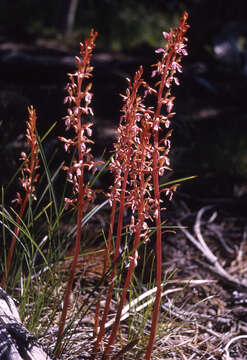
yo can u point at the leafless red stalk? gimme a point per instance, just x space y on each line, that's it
105 268
165 69
28 179
141 157
121 167
137 196
79 98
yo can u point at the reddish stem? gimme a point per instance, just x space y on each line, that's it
158 215
71 279
29 168
116 255
81 191
127 282
106 263
130 121
174 50
158 259
76 172
138 159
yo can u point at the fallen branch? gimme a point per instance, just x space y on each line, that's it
227 356
201 245
16 343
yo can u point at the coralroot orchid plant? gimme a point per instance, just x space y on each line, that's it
79 98
28 179
165 69
141 157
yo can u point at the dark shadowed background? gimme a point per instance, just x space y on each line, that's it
38 40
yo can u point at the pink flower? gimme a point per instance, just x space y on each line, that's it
170 104
160 50
166 35
176 80
176 66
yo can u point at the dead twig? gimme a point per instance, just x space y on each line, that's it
215 229
201 245
226 355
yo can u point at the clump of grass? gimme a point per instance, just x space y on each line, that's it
141 157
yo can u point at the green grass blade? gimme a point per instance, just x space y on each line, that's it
48 175
87 217
48 185
42 211
23 229
177 181
48 132
92 182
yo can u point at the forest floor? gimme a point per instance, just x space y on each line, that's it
204 308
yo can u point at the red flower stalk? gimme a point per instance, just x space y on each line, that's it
166 69
105 268
121 168
140 158
138 195
79 98
28 179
